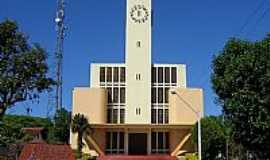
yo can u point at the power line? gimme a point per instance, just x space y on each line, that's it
260 19
257 9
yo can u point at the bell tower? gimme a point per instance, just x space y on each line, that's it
138 61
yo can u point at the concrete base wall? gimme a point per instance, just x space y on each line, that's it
175 137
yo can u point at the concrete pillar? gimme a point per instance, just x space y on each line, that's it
126 141
149 142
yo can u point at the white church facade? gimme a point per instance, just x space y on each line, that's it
130 105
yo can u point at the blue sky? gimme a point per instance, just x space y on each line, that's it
185 31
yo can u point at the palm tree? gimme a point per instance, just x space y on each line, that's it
80 125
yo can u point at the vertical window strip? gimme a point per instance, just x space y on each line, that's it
163 107
164 142
102 74
117 103
116 142
111 142
160 141
174 75
156 74
115 74
163 70
156 142
112 78
177 70
169 76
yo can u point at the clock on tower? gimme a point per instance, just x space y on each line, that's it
139 14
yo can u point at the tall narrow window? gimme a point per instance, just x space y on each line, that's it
160 95
115 95
121 142
138 77
167 75
166 116
160 140
160 115
138 111
122 95
115 116
109 74
160 75
109 116
109 95
102 74
167 141
115 142
115 74
166 95
114 139
154 95
154 116
154 142
122 116
138 44
154 77
123 74
173 74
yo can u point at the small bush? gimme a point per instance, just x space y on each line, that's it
191 157
88 157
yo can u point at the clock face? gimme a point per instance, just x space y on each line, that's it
139 14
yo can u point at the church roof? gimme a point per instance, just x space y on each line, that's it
43 151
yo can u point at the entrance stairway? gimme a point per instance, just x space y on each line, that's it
146 157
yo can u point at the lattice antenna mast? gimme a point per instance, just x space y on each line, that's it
60 27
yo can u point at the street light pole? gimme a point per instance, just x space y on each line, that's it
199 136
198 115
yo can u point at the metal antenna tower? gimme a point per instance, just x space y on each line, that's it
60 27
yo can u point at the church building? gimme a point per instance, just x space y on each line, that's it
138 107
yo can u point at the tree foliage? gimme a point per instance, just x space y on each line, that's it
241 80
81 126
23 67
213 138
55 131
61 127
11 128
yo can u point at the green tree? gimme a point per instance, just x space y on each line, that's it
11 128
213 138
23 68
61 126
81 126
241 80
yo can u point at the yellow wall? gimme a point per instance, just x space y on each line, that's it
179 112
91 102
